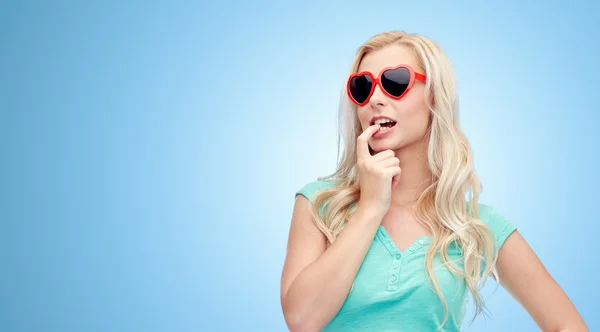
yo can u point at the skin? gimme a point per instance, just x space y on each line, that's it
521 272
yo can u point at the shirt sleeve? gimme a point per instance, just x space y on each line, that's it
311 189
500 226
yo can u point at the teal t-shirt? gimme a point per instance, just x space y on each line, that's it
392 292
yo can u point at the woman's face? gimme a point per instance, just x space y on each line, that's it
410 113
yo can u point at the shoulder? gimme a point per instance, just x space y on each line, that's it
498 223
311 189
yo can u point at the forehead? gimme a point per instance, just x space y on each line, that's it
388 56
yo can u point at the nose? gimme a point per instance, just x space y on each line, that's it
378 98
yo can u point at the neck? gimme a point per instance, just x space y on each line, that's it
415 175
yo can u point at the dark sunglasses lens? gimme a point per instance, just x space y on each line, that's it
395 81
360 87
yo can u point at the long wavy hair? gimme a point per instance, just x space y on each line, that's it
449 205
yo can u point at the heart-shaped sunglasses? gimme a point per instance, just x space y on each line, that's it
394 82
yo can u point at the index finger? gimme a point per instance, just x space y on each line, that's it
362 142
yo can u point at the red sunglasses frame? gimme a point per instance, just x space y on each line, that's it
377 80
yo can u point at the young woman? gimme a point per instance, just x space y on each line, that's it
395 239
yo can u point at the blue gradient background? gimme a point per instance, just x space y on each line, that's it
151 150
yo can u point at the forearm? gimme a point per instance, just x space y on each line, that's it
318 292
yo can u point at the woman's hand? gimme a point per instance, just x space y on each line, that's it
377 174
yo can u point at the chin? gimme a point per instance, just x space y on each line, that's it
389 143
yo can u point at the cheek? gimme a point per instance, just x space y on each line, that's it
413 114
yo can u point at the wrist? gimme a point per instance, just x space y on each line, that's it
369 214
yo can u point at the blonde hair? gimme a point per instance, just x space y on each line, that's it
443 204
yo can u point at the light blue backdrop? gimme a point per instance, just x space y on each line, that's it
151 150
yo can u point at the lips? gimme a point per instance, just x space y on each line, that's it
383 133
